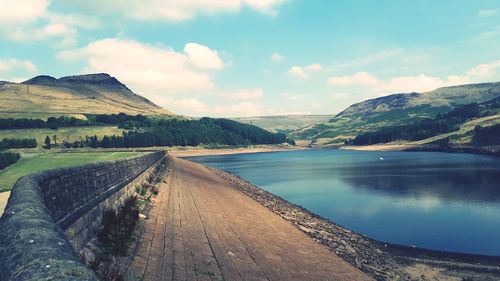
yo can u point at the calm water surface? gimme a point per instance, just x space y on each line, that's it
427 199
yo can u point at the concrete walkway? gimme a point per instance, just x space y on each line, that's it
201 228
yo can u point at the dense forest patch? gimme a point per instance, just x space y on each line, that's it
177 132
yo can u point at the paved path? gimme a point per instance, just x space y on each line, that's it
200 228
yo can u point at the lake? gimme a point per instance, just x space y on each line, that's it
427 199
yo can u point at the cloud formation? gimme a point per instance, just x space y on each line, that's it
174 10
485 70
30 21
315 67
360 78
277 57
21 11
303 72
7 65
203 57
298 72
245 94
154 70
418 83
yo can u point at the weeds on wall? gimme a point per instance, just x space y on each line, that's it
141 190
117 226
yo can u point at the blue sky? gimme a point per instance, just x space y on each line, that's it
255 57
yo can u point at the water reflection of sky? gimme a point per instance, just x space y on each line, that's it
433 200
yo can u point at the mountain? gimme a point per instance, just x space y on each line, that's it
80 94
396 109
284 123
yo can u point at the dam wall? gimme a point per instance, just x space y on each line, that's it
52 215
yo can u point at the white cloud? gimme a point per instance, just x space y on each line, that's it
264 6
245 94
277 57
74 20
315 67
487 13
7 65
298 72
174 10
360 78
203 57
30 20
485 70
185 106
21 11
238 110
148 69
191 104
293 96
195 107
67 34
401 84
419 83
303 72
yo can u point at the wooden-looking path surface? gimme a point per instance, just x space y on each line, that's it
201 228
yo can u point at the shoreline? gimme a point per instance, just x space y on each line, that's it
423 148
381 260
191 152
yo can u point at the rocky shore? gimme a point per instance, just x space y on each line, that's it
382 261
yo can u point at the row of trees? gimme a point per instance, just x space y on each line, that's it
120 120
176 132
52 122
18 143
442 123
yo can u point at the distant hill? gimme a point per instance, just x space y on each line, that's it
284 123
81 94
396 109
457 127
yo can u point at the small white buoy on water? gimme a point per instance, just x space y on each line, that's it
381 158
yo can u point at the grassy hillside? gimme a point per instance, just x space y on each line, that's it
39 162
393 110
45 96
284 123
457 126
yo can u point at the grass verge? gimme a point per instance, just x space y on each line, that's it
40 162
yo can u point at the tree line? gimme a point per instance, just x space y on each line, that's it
175 132
120 120
17 143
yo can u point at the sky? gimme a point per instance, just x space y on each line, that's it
230 58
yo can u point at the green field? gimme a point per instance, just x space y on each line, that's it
40 162
69 134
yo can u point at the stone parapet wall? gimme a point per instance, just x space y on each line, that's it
52 215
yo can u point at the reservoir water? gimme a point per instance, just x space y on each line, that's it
428 199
